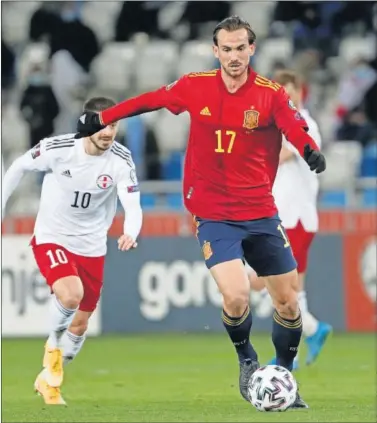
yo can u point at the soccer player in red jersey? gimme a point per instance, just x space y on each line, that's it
237 121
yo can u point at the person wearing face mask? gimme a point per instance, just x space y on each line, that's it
39 106
73 46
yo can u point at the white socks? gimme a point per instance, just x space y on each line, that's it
309 322
71 345
60 318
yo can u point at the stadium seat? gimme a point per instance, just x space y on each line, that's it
256 13
171 131
26 200
369 197
15 131
195 56
15 20
174 201
343 160
113 68
100 16
148 201
352 48
333 199
272 50
170 14
172 166
158 57
369 161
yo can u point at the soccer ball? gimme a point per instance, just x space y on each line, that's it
272 388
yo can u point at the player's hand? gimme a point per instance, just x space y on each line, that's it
315 159
126 242
88 124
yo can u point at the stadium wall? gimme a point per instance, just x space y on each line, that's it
165 286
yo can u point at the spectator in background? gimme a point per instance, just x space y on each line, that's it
353 12
370 99
74 36
152 156
208 11
39 106
356 127
73 47
45 22
7 65
139 16
59 23
310 22
353 87
142 141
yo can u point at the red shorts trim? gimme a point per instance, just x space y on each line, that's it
300 241
56 262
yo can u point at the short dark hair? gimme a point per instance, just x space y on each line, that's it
233 23
287 76
98 104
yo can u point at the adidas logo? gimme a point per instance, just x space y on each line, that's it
67 173
82 119
205 112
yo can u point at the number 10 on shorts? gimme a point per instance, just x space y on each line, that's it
57 257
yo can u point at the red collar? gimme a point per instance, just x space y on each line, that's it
250 80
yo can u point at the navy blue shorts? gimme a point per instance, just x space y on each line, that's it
262 243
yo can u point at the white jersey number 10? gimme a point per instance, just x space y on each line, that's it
82 200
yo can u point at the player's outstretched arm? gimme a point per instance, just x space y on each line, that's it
33 160
294 127
173 97
129 196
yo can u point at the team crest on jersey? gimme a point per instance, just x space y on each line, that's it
133 176
251 118
104 181
207 250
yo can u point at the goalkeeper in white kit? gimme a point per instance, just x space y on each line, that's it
78 202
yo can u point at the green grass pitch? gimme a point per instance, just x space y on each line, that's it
185 378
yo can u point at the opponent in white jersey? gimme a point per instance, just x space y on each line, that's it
295 191
83 179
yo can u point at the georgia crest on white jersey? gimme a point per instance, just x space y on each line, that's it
79 192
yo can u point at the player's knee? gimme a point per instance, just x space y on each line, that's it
73 298
69 291
235 303
286 305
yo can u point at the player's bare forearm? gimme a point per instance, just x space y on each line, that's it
138 105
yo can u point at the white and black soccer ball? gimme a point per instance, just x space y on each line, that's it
272 388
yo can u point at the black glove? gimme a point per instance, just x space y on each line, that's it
315 159
88 124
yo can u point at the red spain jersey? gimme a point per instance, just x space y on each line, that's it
234 143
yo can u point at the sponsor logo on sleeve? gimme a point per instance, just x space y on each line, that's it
133 188
36 151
